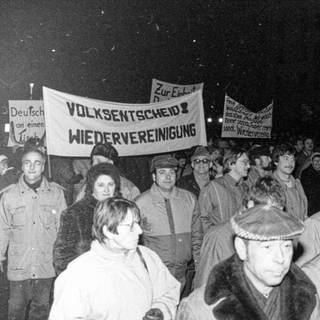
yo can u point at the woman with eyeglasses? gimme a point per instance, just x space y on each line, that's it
75 231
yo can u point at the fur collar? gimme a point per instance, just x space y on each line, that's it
226 281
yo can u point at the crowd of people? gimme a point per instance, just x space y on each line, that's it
224 231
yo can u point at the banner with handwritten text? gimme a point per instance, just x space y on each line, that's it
239 122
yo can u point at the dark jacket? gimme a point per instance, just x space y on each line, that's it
75 233
310 180
189 183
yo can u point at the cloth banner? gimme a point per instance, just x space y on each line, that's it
239 122
74 124
26 119
162 91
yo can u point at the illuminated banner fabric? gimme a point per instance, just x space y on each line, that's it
162 91
74 124
27 120
239 122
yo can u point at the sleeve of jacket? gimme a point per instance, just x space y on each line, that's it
62 205
196 232
166 289
4 228
65 246
69 302
208 200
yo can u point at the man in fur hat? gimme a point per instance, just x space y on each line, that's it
259 281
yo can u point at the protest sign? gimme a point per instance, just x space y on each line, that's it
162 91
239 122
74 124
27 120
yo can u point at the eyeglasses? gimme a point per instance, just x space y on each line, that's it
131 226
197 161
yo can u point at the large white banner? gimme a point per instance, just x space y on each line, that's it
26 119
239 122
162 91
74 124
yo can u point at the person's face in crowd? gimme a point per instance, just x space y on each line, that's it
316 163
32 167
266 262
182 162
241 167
286 164
308 145
165 178
264 162
201 165
104 187
3 164
299 145
96 159
129 231
215 154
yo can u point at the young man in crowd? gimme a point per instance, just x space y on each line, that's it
221 198
260 164
116 279
260 281
296 201
29 219
170 219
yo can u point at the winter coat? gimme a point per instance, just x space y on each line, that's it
29 223
176 237
227 296
309 241
104 285
296 200
75 232
189 183
217 245
220 199
310 180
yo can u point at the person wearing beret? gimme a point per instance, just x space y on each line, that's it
259 282
170 219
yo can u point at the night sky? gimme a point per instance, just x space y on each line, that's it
256 51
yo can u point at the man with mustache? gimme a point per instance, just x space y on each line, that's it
260 164
283 157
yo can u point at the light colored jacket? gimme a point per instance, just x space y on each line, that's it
29 223
104 285
296 200
174 248
310 240
220 199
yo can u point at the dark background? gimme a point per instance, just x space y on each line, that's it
256 51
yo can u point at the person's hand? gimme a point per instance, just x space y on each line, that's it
1 266
153 314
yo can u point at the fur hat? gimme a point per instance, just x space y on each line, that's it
266 223
163 161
